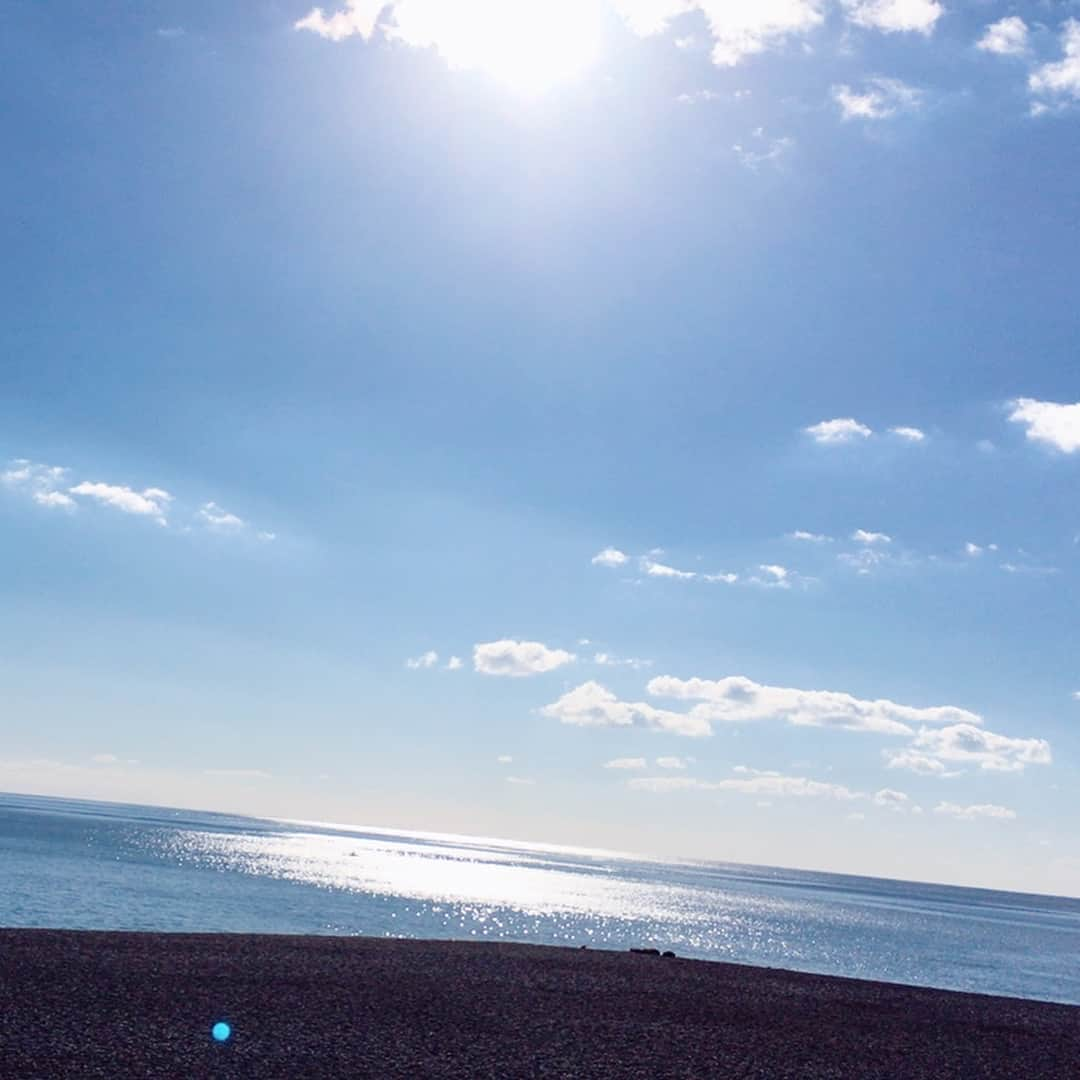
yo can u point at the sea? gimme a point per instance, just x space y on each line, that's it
88 865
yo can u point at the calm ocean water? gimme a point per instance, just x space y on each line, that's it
66 863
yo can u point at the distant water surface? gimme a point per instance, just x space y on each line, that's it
84 865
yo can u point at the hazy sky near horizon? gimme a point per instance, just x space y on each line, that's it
650 424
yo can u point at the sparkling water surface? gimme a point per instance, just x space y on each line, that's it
83 865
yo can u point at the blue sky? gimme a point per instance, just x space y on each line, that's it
642 423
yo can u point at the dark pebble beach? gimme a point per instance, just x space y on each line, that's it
116 1005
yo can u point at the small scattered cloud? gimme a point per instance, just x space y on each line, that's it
170 33
975 813
922 764
720 579
895 16
424 661
1029 569
604 659
505 759
517 659
864 536
661 570
1049 422
896 801
40 482
879 99
105 759
217 518
625 763
835 432
673 762
763 150
1006 37
522 781
696 97
610 556
773 576
1059 81
809 537
909 434
455 663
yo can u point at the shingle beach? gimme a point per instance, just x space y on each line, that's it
117 1005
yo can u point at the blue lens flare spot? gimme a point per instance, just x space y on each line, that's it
221 1031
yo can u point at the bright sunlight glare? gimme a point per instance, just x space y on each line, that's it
529 45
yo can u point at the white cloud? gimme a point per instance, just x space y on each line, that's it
672 762
809 537
778 577
610 557
1029 569
426 660
1048 422
697 96
593 705
767 784
974 550
604 659
973 813
892 800
865 560
505 759
521 780
915 762
454 663
625 763
150 502
736 699
720 579
1006 37
739 28
965 744
214 517
38 481
655 569
831 432
105 759
879 99
358 17
911 434
895 16
518 658
864 536
1061 78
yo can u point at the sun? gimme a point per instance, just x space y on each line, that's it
528 45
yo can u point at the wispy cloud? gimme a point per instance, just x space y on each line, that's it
908 434
42 483
593 705
517 659
763 149
625 763
771 785
865 536
611 557
423 661
662 570
603 659
809 537
879 99
974 813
